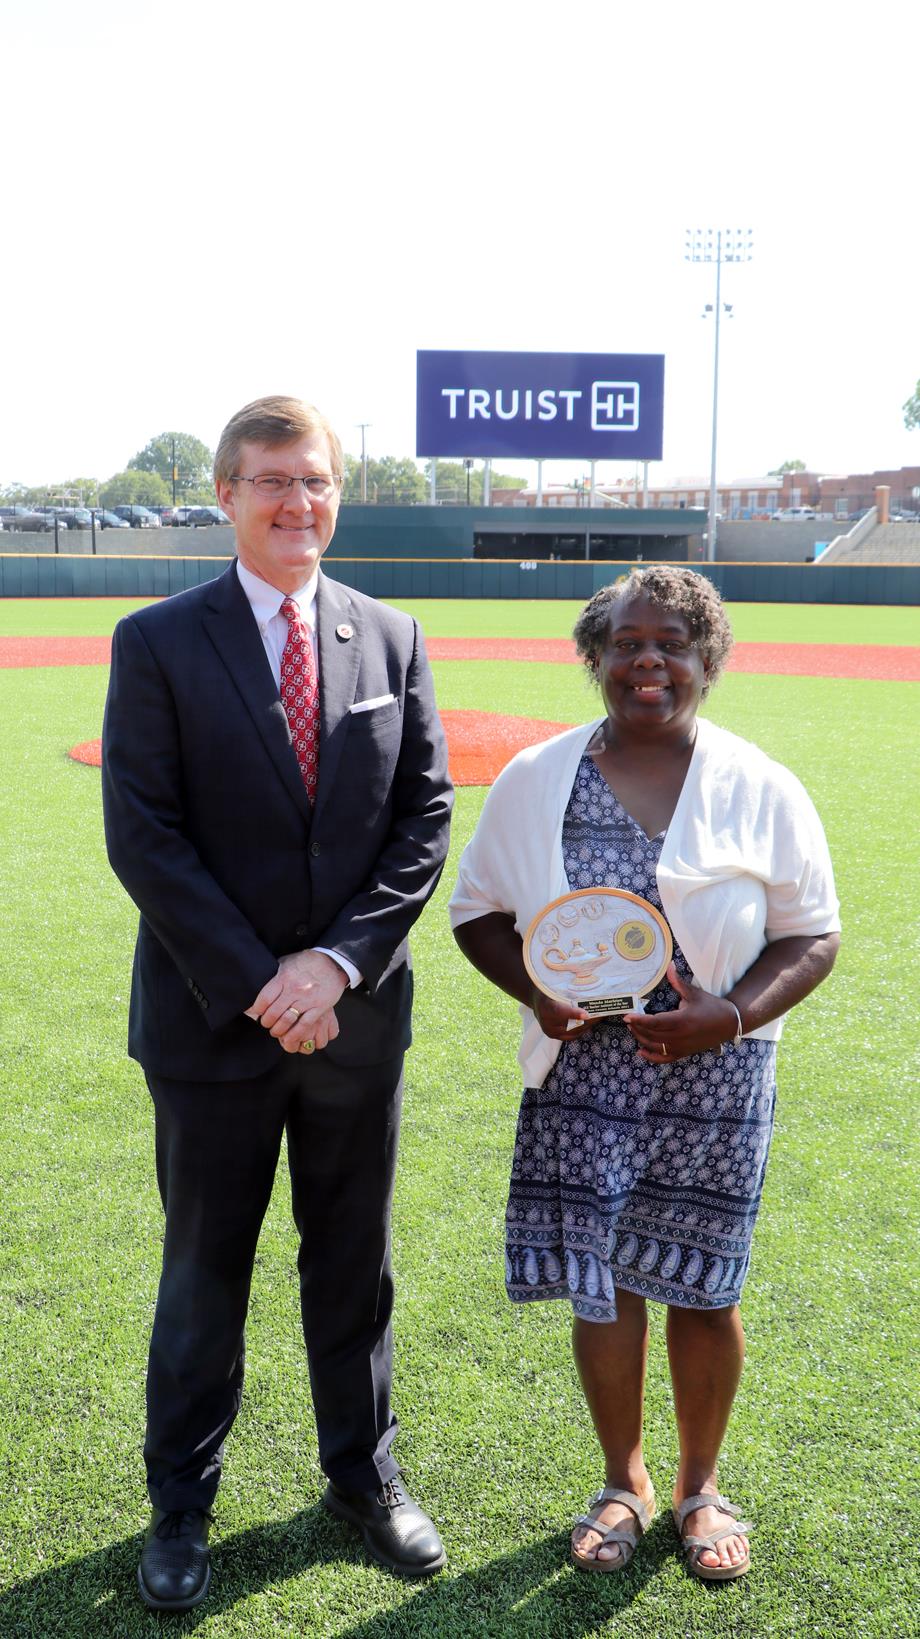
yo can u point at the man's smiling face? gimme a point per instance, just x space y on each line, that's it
282 537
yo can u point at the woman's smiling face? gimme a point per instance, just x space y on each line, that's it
649 671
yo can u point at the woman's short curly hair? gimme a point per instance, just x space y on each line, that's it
684 591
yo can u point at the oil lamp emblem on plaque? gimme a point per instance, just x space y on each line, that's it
600 948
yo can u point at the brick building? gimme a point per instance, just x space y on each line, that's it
754 497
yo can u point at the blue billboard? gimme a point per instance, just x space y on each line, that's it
541 406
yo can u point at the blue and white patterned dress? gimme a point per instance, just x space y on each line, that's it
628 1174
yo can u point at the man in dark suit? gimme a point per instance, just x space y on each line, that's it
277 805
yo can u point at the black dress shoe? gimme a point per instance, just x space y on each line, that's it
396 1532
175 1569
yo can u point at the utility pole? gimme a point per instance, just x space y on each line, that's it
364 426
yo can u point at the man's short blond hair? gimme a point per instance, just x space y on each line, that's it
274 422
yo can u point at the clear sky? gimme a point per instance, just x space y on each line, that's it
203 203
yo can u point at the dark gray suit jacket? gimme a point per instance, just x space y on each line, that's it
210 830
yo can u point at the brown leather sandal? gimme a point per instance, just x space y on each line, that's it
625 1535
694 1547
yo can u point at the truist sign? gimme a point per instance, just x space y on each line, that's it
541 406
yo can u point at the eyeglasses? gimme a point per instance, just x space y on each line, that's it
319 486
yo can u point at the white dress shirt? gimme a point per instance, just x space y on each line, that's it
265 602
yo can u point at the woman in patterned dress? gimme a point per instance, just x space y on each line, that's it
642 1141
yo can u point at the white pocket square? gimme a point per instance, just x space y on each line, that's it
372 705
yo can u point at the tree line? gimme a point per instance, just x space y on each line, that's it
398 480
177 466
173 466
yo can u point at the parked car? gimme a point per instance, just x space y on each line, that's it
110 520
200 516
787 512
176 516
139 517
74 517
26 519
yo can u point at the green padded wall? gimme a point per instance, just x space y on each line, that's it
23 575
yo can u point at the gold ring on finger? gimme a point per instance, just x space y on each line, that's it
664 1050
294 1011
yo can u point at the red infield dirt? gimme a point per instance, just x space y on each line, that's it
896 663
89 752
883 662
55 651
479 743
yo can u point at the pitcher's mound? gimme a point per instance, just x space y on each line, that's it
479 743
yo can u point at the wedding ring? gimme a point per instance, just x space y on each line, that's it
307 1046
664 1050
292 1010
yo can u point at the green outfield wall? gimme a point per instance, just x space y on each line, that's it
39 575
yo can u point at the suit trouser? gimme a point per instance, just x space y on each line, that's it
217 1148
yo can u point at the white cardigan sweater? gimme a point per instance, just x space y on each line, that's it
744 861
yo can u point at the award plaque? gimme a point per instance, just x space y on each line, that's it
599 948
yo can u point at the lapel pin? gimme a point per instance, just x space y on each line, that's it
344 631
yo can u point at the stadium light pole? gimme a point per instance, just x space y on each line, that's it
717 245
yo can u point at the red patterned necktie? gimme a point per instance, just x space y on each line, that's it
300 694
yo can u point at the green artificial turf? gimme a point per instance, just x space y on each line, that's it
498 617
64 617
751 622
495 1436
